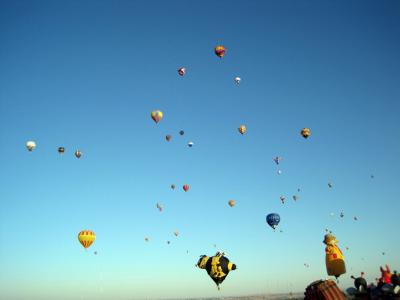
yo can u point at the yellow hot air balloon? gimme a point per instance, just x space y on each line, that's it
231 203
156 115
242 129
305 132
86 238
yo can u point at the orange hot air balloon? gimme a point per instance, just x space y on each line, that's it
186 187
86 238
220 51
231 203
242 129
156 115
305 132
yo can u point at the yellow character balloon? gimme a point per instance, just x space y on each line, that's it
334 258
86 238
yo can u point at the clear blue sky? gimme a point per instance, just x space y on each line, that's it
87 74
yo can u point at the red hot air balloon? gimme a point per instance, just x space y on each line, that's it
186 187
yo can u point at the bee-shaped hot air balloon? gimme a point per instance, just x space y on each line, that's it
220 51
242 129
30 145
86 238
217 267
182 71
334 258
305 132
231 203
156 115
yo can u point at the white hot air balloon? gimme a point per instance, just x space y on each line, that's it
237 80
30 145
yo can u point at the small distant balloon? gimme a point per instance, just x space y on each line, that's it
186 187
30 145
355 218
160 207
273 220
190 144
277 159
279 172
173 186
168 137
238 80
295 198
305 132
146 239
341 215
176 233
298 190
78 154
61 150
181 132
242 129
330 185
168 242
95 252
156 115
282 198
220 51
182 71
231 203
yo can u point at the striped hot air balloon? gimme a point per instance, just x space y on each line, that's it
242 129
86 238
156 115
220 51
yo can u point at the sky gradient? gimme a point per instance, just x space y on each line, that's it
86 75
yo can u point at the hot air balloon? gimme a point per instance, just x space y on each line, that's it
173 186
160 207
282 198
279 172
242 129
95 252
190 144
181 132
86 238
334 258
341 215
156 115
78 154
305 132
186 187
176 233
146 239
217 267
238 80
277 159
330 185
273 220
231 203
220 51
30 145
168 137
182 71
61 150
295 197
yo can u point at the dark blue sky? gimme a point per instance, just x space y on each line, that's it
86 75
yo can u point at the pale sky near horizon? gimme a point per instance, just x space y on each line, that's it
86 75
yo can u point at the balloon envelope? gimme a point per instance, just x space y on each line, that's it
86 238
156 115
30 145
273 220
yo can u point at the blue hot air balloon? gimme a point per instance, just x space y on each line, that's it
273 220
